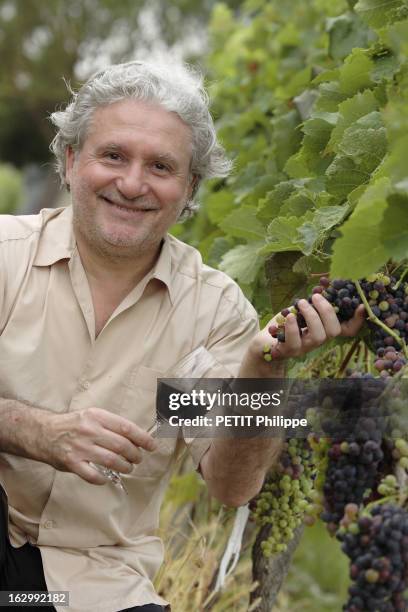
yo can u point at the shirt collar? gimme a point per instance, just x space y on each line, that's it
57 242
162 267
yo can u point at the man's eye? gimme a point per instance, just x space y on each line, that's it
161 167
113 156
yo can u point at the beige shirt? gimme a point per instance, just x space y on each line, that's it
96 542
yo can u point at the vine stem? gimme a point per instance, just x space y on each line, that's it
383 500
376 320
401 278
367 359
349 355
402 479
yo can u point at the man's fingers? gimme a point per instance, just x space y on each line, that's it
101 456
110 460
328 316
315 330
353 326
293 340
90 474
125 428
120 445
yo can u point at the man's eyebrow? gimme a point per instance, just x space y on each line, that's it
162 157
166 157
112 146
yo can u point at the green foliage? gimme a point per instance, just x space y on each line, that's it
361 233
378 13
11 189
44 43
242 262
312 104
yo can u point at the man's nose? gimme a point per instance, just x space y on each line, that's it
132 181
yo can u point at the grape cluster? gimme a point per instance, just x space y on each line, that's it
389 361
342 294
377 546
355 452
388 300
389 303
285 496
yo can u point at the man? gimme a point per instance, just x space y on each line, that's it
96 303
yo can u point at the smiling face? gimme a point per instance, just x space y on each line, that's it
131 179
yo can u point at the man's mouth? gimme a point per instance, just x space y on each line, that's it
127 208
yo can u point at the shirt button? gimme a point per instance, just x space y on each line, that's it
48 524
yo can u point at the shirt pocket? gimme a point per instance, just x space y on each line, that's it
139 406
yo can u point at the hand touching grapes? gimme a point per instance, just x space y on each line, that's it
321 324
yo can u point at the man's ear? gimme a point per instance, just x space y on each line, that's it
69 163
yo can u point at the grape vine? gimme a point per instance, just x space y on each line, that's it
360 459
312 104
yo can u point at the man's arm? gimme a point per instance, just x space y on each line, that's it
21 429
69 441
235 469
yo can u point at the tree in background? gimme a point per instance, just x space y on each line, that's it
44 43
11 191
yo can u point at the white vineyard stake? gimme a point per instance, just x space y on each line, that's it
233 549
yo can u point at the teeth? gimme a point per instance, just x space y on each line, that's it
126 207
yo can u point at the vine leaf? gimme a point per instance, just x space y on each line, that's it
242 262
360 242
310 157
242 223
297 204
366 147
323 219
355 74
344 175
285 284
330 97
269 207
220 245
310 235
347 32
350 111
328 216
302 233
378 13
394 229
283 234
219 204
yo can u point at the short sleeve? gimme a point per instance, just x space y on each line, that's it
235 325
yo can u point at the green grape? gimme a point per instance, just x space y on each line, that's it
283 501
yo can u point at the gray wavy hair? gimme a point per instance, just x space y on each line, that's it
177 87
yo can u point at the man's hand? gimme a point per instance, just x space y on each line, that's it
70 441
322 325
